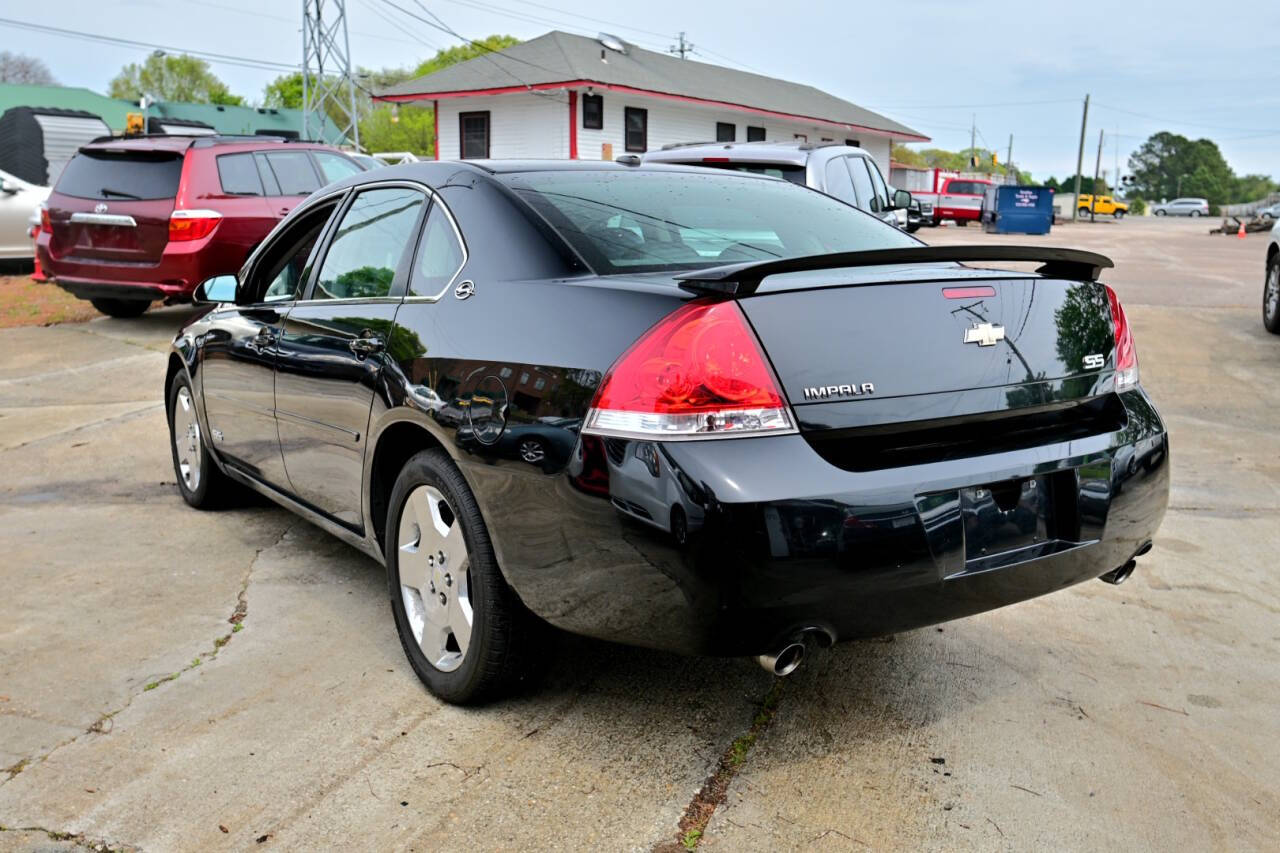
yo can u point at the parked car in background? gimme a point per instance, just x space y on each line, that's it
1103 205
850 174
366 161
19 202
1271 284
1182 207
1272 212
764 419
960 201
133 220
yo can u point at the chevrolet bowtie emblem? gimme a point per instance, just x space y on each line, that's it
984 334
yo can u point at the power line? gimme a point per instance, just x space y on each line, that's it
96 37
1267 131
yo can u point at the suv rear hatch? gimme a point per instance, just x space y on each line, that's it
112 206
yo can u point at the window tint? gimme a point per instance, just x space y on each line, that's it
282 269
369 244
269 183
293 172
755 134
473 135
238 175
726 131
122 177
838 182
882 192
687 220
794 174
636 122
335 167
439 256
861 181
593 112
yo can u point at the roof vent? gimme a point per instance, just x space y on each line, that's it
613 43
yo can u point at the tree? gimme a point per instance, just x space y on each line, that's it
1169 164
403 128
169 77
16 68
463 52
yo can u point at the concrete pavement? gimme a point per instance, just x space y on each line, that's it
135 714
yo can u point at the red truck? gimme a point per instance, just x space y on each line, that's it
133 220
942 193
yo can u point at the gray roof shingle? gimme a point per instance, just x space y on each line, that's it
560 57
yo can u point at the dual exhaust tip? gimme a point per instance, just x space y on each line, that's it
1120 575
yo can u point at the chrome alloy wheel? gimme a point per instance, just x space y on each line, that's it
186 439
435 578
1272 298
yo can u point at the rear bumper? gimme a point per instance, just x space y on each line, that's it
173 278
957 213
780 540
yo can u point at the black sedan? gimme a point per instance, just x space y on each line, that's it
763 418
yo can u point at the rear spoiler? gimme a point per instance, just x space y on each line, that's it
743 279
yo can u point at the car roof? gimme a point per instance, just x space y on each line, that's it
177 142
502 167
794 152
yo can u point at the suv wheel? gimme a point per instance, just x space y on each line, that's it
1119 214
1271 296
466 634
201 483
1195 214
124 308
1160 213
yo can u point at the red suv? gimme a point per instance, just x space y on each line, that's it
133 220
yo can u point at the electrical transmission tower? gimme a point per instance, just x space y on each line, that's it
328 88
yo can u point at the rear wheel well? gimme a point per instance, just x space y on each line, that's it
395 445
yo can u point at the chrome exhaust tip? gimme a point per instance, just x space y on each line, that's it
1120 575
784 661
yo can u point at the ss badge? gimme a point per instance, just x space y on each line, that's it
1094 361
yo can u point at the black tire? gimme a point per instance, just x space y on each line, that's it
509 647
1160 213
962 223
1119 214
211 489
1084 211
679 525
1271 313
124 308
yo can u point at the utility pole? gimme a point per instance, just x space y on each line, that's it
1084 120
328 87
973 150
1097 167
684 47
1008 158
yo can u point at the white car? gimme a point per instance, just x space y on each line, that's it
1272 212
19 202
1271 284
1182 207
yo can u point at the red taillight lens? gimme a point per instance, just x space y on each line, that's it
1126 352
699 373
45 224
187 225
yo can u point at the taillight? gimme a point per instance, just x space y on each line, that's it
1126 352
699 373
45 224
192 224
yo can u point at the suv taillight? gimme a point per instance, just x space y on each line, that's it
1126 352
45 224
699 373
192 224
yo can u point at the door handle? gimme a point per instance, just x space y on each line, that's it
366 346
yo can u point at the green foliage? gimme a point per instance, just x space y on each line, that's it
1137 206
172 77
691 839
1087 185
461 53
284 92
956 161
1167 157
404 128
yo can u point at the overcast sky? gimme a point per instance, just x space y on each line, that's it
1199 68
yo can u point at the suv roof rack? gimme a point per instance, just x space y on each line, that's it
670 145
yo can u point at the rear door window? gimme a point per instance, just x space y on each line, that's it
293 172
239 175
128 176
440 256
370 244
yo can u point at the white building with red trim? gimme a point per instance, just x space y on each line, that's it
568 96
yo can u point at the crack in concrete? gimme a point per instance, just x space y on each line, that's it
697 814
77 838
105 722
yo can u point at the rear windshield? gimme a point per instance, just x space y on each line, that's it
794 174
129 175
638 221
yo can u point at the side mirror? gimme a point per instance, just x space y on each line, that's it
220 288
901 199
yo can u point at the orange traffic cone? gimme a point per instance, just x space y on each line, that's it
1240 233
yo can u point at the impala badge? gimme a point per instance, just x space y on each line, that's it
823 392
984 334
100 207
464 289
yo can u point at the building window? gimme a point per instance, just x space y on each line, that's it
853 143
802 137
505 373
539 384
473 134
636 124
593 112
726 131
755 134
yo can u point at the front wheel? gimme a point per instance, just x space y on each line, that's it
466 634
1119 214
1271 296
123 308
201 483
1084 211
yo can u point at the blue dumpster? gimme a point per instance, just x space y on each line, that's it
1017 210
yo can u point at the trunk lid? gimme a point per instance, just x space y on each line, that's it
113 206
855 353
